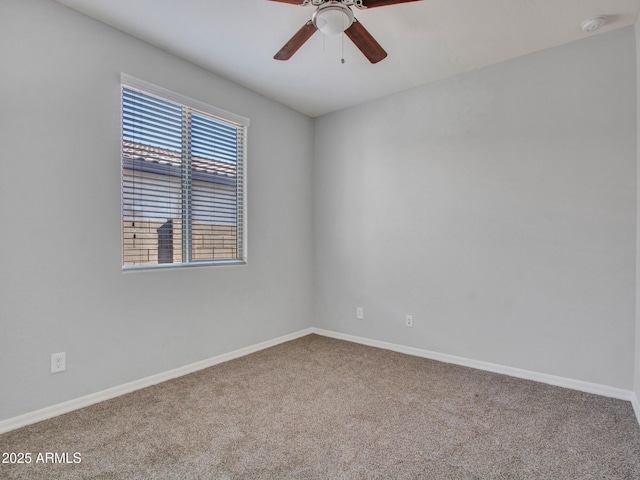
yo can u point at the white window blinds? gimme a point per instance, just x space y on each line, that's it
183 198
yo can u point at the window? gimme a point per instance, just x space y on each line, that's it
183 189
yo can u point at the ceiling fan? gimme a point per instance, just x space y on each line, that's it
333 17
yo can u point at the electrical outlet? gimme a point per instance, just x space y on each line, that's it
359 313
408 321
58 362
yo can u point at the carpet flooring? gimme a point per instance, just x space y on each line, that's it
320 408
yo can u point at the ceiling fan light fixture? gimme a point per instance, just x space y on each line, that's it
332 18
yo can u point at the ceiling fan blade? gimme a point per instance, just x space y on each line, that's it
292 2
365 42
384 3
296 41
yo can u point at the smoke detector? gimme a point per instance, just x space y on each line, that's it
593 23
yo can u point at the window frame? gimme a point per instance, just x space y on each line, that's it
238 121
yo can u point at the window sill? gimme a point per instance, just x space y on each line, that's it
179 266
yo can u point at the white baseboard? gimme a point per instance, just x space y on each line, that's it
636 405
579 385
75 404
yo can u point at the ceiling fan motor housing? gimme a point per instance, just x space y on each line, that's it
332 18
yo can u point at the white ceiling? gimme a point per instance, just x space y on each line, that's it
426 41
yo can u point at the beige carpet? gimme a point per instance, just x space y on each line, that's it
324 408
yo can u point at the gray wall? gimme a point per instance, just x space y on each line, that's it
61 287
497 207
637 359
